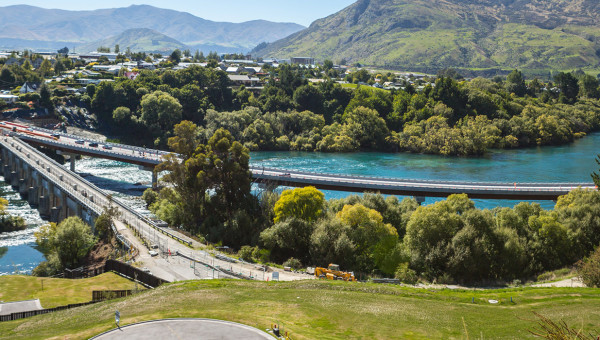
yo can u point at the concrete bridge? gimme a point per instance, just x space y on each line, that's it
416 188
147 159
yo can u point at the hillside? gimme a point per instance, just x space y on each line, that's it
80 27
331 310
434 34
138 39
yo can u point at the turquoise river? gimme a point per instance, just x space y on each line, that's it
568 163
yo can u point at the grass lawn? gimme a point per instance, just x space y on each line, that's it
59 292
331 310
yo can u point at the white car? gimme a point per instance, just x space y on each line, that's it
153 253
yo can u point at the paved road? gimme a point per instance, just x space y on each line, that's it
184 329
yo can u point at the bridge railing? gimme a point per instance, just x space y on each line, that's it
94 150
124 146
375 183
258 169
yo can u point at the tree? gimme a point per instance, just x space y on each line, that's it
327 64
366 127
589 87
45 68
309 98
175 56
589 269
302 203
27 65
568 86
515 83
45 100
117 48
160 110
65 244
73 240
122 114
63 51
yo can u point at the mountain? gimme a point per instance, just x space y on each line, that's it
32 25
138 39
428 35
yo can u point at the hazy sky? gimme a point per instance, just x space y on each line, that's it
299 11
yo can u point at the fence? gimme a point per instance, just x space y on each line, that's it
21 315
100 295
133 273
82 272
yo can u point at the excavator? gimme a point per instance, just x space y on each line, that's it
333 272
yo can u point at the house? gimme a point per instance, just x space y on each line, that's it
239 80
114 69
12 61
9 98
234 69
302 60
131 75
252 69
29 87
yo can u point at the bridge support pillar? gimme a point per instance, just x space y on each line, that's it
72 162
23 188
420 199
55 215
32 196
14 179
6 173
44 206
154 179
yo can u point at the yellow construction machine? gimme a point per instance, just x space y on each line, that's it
333 272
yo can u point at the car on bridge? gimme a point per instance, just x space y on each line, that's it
80 142
107 147
55 135
93 144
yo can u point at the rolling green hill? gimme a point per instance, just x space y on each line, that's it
331 310
138 39
434 34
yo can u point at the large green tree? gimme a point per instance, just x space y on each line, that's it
302 203
160 110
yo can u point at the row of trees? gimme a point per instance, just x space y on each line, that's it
449 118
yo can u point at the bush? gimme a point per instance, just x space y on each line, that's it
589 269
405 274
293 263
261 255
245 253
150 196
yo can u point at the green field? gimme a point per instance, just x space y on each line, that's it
331 310
59 292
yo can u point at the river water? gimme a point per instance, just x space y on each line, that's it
568 163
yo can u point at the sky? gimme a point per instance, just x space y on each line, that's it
302 12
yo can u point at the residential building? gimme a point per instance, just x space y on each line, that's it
29 87
239 80
302 60
9 98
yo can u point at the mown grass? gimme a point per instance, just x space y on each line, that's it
331 310
59 292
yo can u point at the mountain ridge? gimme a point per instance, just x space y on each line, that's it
81 27
435 34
